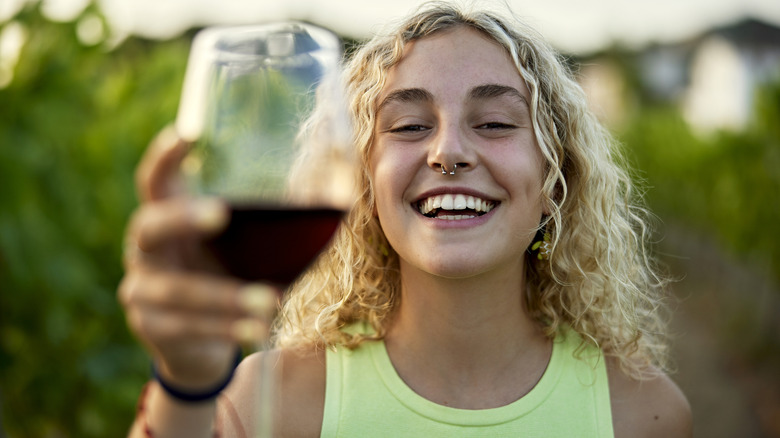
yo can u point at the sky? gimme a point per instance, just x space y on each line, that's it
575 26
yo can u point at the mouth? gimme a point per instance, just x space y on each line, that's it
454 206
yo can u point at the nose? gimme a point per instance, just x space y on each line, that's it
450 150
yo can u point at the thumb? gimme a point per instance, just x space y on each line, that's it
157 175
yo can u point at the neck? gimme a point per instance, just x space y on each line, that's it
465 310
473 332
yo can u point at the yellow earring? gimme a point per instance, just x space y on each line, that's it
543 246
380 246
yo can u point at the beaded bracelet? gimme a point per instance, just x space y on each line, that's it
197 397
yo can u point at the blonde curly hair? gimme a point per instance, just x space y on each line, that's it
598 280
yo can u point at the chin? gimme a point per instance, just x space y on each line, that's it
471 265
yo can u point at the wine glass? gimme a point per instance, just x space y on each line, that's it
263 108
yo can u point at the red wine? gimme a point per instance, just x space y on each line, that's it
273 245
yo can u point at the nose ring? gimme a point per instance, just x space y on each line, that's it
451 172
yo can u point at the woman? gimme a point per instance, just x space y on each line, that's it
491 281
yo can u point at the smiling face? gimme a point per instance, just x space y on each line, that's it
456 99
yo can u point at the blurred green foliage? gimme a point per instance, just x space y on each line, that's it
723 184
73 125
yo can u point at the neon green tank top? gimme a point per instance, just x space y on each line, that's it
365 397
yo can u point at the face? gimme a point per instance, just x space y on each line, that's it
456 98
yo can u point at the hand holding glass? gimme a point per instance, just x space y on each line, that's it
263 109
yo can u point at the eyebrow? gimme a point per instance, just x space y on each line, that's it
490 91
406 95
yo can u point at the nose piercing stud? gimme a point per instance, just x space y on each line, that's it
451 172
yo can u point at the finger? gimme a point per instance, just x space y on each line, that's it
179 292
158 224
159 328
157 175
198 294
259 300
250 331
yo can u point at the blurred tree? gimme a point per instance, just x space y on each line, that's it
724 184
72 126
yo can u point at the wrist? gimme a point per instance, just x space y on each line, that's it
188 394
158 416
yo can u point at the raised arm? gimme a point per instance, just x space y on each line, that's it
189 316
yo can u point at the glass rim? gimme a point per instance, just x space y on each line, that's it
206 51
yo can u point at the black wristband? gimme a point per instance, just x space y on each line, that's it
197 397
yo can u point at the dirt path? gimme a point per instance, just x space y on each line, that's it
721 405
728 334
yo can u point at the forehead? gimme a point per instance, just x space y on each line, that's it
451 60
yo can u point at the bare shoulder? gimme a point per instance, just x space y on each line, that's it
299 381
303 393
651 408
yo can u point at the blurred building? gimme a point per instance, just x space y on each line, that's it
604 82
712 78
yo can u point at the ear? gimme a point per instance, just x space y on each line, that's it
546 210
547 203
555 198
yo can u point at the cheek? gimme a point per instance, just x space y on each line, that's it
388 174
533 165
380 186
371 176
383 194
389 183
524 179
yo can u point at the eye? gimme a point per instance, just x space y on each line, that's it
495 126
408 128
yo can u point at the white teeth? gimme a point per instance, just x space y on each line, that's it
455 202
456 217
459 203
448 202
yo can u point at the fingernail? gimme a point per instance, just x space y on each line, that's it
248 330
209 215
167 138
258 299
